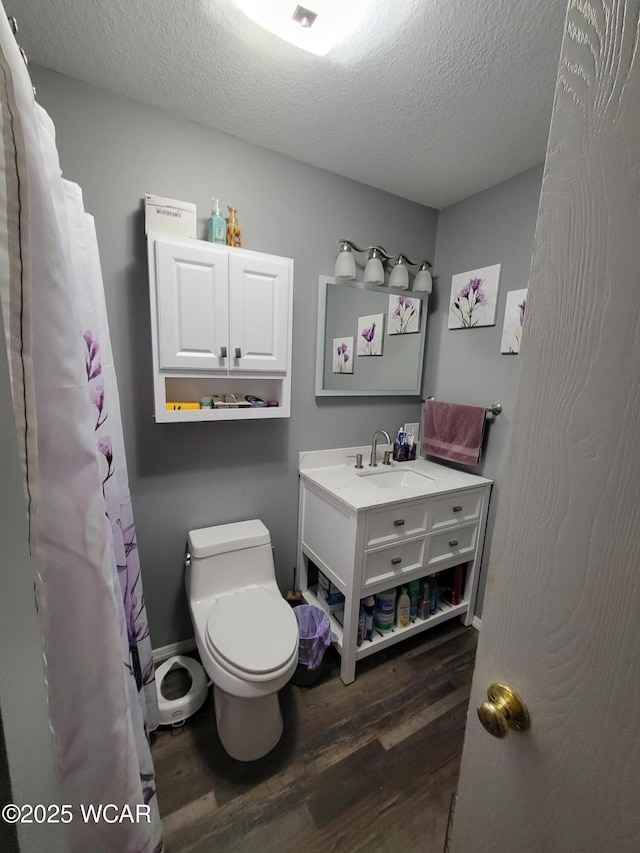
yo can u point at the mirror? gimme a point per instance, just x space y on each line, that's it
371 339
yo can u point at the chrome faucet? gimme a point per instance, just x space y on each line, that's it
373 462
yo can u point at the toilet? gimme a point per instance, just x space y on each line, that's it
246 633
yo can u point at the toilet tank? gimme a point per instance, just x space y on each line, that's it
228 557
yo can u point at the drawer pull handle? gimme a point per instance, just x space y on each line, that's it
238 352
453 543
399 522
396 560
457 509
223 352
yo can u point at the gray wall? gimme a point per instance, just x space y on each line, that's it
496 226
185 476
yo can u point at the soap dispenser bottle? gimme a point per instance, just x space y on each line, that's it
234 233
217 225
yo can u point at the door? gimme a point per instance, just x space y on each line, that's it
561 623
259 312
192 299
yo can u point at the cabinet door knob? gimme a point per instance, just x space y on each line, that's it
399 522
457 509
238 352
453 543
396 560
223 352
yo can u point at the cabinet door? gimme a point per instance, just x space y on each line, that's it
193 309
259 312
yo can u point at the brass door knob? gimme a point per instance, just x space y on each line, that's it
504 710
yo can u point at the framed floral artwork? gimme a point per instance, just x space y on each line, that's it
403 316
513 321
370 330
474 298
343 355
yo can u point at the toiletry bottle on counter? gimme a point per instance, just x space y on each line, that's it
234 232
403 610
217 225
398 446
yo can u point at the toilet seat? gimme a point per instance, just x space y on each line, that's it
252 633
173 712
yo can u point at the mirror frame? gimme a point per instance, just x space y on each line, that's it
325 335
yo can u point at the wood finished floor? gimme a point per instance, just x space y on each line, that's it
367 767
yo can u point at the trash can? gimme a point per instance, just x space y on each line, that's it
314 630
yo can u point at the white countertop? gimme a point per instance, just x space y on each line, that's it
333 472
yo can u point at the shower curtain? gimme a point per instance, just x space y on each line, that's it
97 657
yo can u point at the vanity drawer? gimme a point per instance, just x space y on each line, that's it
392 524
456 508
393 562
454 546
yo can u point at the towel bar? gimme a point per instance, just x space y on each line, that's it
493 409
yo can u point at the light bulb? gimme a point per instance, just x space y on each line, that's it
399 277
374 271
423 281
345 263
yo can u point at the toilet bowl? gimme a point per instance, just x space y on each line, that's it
173 712
246 633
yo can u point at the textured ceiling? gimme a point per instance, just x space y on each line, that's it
432 100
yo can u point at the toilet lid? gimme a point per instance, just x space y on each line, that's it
255 630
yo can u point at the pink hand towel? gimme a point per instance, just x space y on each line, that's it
453 431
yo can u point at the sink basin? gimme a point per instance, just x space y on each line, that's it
395 479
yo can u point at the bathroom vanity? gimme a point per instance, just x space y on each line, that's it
380 527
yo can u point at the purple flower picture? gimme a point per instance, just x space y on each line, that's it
370 334
474 297
403 315
343 355
514 314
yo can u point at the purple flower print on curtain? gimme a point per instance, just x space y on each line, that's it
123 530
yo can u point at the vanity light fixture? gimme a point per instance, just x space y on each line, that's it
374 269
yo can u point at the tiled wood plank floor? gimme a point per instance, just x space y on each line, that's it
367 767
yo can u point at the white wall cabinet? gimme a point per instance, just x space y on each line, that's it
221 324
364 546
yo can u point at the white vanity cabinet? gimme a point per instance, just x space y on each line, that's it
365 542
221 323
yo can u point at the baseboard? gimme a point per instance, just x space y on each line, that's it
165 652
477 623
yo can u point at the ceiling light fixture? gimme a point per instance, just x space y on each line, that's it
314 28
